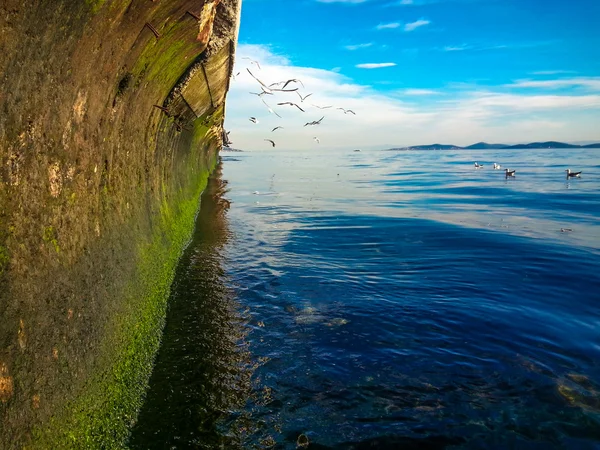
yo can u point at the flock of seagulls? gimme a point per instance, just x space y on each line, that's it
285 86
511 173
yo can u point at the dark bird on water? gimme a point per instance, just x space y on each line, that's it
291 104
272 143
314 122
509 173
572 174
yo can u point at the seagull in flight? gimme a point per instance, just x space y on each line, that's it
265 87
291 104
303 98
253 119
316 139
260 94
323 107
252 61
346 111
314 122
276 128
272 143
269 108
293 80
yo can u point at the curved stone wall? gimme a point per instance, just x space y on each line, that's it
111 118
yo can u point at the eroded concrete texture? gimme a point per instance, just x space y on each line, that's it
98 193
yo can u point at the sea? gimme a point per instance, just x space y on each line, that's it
378 299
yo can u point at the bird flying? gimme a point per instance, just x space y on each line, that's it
316 139
253 120
272 143
276 128
266 88
314 122
346 111
291 104
303 98
252 61
322 107
269 108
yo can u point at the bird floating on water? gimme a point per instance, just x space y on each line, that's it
509 173
272 143
573 174
478 166
566 230
497 166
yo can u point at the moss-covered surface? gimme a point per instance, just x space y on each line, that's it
98 191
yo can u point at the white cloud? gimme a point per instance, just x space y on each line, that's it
456 48
462 115
416 24
552 72
358 46
388 26
419 92
375 65
592 83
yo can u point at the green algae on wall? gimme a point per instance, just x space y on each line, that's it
98 193
102 416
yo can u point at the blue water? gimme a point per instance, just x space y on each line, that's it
401 300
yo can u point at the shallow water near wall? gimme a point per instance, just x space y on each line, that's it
383 299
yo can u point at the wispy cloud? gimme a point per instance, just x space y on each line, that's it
388 26
456 48
375 65
416 24
592 83
552 72
358 46
419 92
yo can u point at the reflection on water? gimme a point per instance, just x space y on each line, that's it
390 301
203 370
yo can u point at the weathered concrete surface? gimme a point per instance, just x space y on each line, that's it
98 193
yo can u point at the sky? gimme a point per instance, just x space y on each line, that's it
416 72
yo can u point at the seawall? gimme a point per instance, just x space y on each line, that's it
111 116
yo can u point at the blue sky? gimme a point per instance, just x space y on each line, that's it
420 71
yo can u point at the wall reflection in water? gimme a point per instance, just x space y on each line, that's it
202 375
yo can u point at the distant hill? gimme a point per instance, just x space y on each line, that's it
485 145
433 147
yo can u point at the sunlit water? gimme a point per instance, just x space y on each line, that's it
383 299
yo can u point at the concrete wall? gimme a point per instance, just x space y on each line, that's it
98 193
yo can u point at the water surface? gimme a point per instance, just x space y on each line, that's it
383 299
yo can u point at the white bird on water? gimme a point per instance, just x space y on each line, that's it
573 174
478 166
497 166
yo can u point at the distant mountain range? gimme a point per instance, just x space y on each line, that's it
485 145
